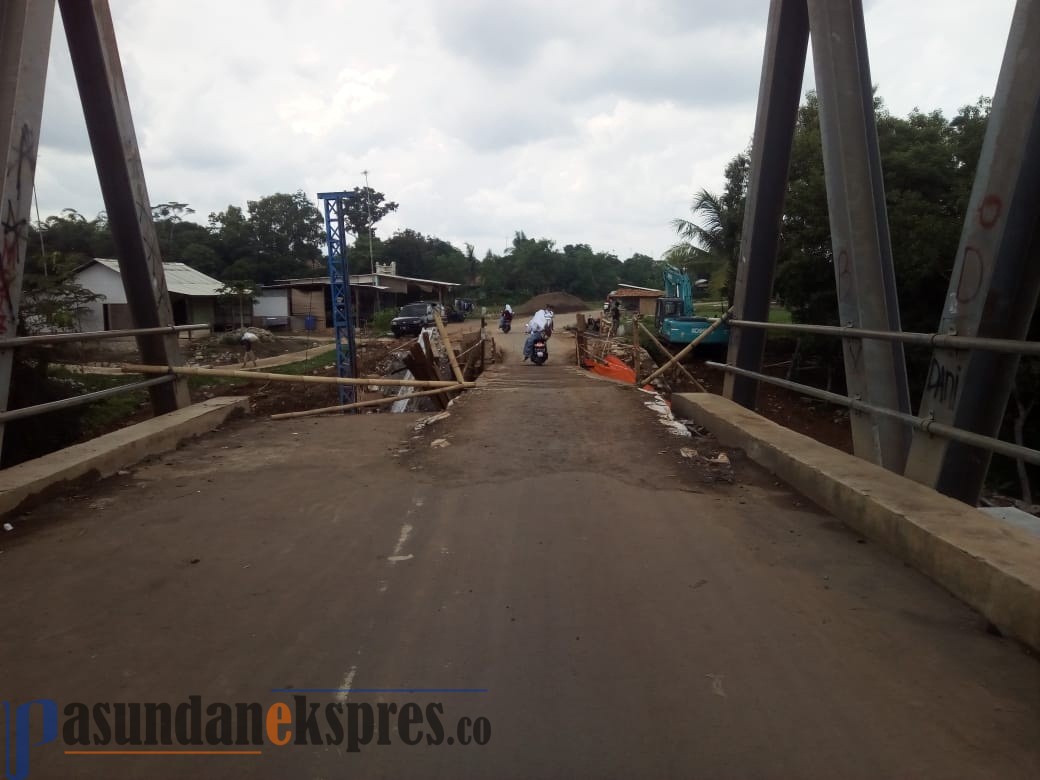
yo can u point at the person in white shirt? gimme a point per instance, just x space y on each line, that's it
535 328
248 339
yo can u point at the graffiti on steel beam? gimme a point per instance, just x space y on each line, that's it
990 210
943 383
970 281
14 230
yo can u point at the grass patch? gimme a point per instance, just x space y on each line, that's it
101 415
106 414
319 361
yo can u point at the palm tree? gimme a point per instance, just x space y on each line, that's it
711 240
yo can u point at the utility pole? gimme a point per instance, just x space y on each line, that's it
368 209
371 257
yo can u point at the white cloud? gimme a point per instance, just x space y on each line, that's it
577 122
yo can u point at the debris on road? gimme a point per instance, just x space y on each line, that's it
431 420
664 415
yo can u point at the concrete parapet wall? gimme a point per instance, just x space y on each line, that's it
98 458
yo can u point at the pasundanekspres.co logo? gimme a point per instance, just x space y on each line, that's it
193 727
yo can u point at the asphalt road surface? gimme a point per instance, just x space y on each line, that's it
593 603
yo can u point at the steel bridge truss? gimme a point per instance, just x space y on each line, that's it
25 40
996 274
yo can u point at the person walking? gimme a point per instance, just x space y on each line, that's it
248 339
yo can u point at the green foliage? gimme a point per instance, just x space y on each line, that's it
928 165
238 294
710 242
365 209
313 363
381 321
51 299
282 236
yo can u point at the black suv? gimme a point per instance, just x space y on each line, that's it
412 318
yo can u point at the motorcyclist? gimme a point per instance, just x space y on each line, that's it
536 328
505 316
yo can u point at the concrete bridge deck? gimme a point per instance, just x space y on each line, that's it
618 615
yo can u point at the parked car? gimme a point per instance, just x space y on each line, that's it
412 318
454 315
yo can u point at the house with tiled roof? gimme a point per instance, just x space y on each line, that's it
636 299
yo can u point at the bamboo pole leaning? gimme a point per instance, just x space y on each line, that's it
447 347
689 347
359 404
133 368
680 366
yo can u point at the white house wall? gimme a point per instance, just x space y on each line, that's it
272 303
102 281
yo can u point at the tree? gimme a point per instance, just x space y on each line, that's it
642 271
239 292
280 238
711 239
166 216
365 209
288 228
52 303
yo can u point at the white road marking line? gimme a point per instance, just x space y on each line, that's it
406 531
716 684
341 697
397 558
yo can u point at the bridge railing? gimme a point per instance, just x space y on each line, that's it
86 398
924 424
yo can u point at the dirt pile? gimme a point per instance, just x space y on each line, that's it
561 302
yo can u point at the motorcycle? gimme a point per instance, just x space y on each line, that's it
505 322
540 350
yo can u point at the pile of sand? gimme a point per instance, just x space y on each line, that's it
561 302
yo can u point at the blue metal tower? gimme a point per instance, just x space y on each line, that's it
339 278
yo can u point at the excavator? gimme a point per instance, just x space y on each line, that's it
675 319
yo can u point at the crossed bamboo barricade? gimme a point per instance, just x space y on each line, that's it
436 387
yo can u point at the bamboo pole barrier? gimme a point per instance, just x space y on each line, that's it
689 347
447 348
358 404
133 368
635 347
680 366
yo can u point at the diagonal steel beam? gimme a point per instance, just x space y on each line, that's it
996 275
783 66
25 42
106 106
875 371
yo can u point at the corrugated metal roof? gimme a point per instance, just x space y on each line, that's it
361 280
180 278
637 287
628 292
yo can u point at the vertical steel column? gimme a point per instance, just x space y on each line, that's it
106 106
783 67
25 42
339 281
996 275
863 269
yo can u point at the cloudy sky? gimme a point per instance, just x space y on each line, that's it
588 122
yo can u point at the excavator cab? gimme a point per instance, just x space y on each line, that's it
667 308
